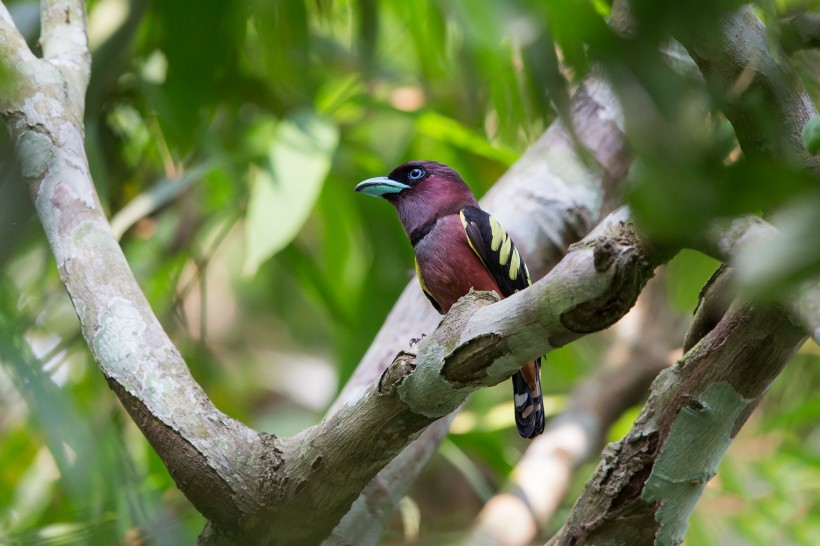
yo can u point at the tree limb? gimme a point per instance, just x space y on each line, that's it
641 346
801 31
371 512
714 300
746 73
739 240
15 56
477 345
225 469
14 45
65 45
199 445
247 484
203 448
549 199
648 483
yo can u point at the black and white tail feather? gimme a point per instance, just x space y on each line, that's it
529 405
499 255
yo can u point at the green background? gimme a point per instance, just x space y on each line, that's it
249 122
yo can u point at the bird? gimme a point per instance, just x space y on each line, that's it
459 246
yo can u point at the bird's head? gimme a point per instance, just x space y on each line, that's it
421 191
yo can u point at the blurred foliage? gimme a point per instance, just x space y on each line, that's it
811 136
273 277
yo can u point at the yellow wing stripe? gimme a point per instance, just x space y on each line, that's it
498 234
503 245
505 251
464 225
515 263
421 280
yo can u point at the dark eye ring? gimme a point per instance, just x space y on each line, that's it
416 174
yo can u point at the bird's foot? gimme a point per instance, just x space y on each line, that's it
415 340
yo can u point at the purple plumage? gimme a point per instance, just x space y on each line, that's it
458 246
448 265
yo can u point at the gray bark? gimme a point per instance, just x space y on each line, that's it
42 103
647 484
755 86
548 200
255 488
641 345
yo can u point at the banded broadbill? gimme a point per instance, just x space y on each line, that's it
458 246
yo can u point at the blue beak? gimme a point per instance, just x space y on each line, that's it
380 186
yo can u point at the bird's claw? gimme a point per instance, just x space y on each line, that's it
415 340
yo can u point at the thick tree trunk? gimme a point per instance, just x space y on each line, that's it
648 483
642 344
255 488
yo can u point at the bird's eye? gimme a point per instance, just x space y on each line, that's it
416 174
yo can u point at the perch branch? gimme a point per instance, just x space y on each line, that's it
549 199
641 346
476 345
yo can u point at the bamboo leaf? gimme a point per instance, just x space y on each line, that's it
284 190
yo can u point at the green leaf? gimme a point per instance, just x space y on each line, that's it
284 190
767 267
811 136
32 495
471 472
451 131
686 274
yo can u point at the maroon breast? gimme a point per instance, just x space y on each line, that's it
448 265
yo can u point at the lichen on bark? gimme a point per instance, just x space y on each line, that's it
700 435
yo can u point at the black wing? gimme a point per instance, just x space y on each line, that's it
495 248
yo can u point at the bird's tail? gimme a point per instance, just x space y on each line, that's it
529 402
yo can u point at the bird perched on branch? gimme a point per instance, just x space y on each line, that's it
458 246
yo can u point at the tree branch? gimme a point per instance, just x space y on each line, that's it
755 86
365 522
648 483
250 485
199 445
15 56
65 45
13 44
549 199
740 241
714 300
640 348
477 345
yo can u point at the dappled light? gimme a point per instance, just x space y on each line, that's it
615 141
